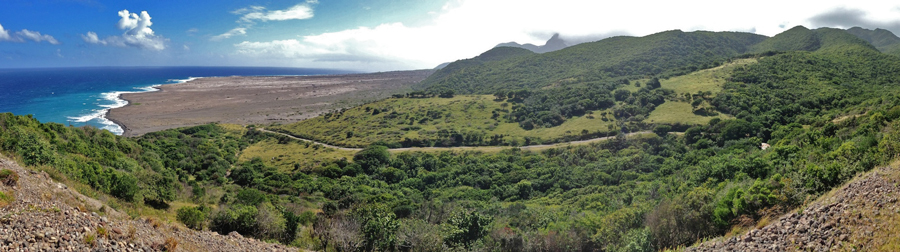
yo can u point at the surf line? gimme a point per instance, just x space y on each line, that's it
117 102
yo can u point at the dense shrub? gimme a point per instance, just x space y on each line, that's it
192 217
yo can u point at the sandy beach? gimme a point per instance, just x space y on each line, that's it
254 100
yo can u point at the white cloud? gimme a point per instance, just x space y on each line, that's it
4 34
465 28
36 36
137 33
231 33
21 36
91 37
300 11
59 53
252 14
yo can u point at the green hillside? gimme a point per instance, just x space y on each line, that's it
882 39
665 53
495 54
800 38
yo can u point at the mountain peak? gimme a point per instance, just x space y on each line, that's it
882 39
553 44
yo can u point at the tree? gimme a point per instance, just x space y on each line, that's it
692 135
621 94
160 187
124 186
372 157
192 217
379 227
446 93
500 95
654 83
662 130
464 228
524 189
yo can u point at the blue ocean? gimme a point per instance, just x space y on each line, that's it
82 96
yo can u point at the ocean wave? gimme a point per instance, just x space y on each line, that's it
179 81
86 118
116 102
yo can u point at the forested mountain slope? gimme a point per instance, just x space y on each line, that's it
800 38
882 39
665 53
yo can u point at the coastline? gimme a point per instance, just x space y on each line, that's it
119 95
245 100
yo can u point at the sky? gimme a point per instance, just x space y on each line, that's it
373 35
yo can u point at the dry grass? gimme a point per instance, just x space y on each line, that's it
171 244
765 220
154 222
130 234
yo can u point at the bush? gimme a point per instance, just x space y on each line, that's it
9 177
124 186
250 197
35 150
192 217
372 157
463 228
239 218
662 130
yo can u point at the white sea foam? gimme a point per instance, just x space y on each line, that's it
117 102
184 80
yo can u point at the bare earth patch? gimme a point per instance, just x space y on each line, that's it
255 100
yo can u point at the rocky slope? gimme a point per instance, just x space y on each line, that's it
48 216
863 215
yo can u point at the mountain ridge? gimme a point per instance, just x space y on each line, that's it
553 44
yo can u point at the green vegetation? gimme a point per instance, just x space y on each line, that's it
6 198
669 53
461 120
883 40
800 38
193 217
702 174
707 80
289 155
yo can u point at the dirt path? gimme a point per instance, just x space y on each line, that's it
472 148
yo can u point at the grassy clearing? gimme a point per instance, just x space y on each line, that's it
292 155
429 119
672 112
704 80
